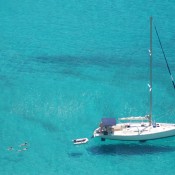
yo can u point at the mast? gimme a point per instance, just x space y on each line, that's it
150 114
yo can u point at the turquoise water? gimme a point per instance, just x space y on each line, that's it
64 65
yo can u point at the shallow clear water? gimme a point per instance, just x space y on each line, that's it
66 64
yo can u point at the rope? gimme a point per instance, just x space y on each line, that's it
165 57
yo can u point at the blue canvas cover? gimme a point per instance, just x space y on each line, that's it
108 121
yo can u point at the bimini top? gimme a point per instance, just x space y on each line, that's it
108 121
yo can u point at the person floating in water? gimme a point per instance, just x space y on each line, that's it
23 144
10 148
24 149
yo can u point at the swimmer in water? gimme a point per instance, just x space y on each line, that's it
24 149
10 148
24 144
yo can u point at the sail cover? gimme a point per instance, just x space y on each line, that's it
108 121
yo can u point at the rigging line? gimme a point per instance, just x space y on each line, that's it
165 57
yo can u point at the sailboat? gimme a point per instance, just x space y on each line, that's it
140 128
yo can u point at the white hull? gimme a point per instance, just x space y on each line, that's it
137 133
80 141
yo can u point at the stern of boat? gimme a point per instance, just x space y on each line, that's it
97 132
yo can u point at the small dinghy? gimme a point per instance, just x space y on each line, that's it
80 141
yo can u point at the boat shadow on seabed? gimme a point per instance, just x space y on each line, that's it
129 149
